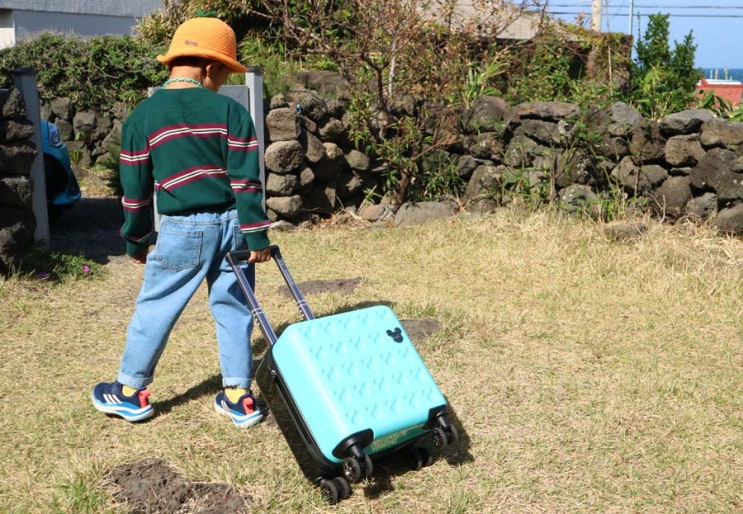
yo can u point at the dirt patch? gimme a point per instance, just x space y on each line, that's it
341 285
419 330
150 486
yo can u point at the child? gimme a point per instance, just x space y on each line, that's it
197 152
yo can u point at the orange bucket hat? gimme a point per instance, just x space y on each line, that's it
210 38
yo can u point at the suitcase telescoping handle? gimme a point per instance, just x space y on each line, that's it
235 258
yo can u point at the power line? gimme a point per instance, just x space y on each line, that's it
704 15
689 6
587 4
576 13
664 6
575 9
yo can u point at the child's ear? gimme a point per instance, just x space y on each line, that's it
213 67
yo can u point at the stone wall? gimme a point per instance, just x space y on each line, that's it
89 135
686 164
17 154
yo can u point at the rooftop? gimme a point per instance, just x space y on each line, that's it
730 90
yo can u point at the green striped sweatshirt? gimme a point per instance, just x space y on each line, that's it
197 151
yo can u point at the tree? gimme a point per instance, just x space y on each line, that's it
663 80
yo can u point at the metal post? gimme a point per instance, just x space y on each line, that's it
631 15
254 81
25 82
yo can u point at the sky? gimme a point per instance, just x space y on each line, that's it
716 25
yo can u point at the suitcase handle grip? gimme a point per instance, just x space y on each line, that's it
236 257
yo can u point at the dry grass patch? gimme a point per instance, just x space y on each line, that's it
585 374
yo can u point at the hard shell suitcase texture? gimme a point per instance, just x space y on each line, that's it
346 389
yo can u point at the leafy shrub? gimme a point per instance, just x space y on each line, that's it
664 80
95 72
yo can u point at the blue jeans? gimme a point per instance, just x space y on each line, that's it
190 249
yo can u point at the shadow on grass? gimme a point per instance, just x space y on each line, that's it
85 237
209 387
90 227
398 464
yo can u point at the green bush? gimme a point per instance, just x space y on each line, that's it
94 73
664 80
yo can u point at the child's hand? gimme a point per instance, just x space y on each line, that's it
263 255
141 257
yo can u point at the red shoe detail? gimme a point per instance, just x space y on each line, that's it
144 395
248 404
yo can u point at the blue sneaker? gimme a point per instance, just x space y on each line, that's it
107 397
244 413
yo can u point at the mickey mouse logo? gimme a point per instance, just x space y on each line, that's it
396 335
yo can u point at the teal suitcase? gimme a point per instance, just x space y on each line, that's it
347 389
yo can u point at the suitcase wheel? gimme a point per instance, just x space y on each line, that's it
420 458
354 469
443 437
334 490
344 489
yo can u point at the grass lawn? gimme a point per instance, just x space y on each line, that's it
585 374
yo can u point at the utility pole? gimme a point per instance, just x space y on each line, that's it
596 15
631 14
